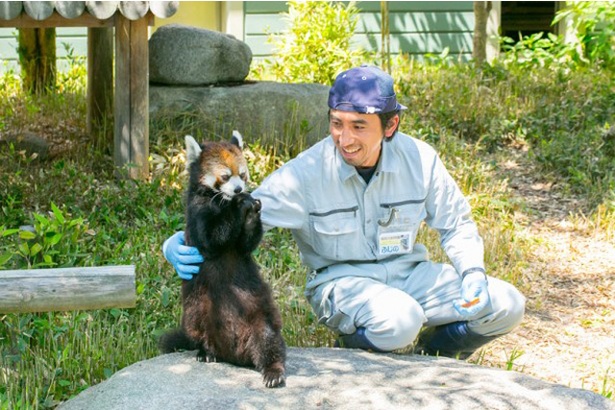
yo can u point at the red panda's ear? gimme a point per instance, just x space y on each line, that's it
193 150
237 139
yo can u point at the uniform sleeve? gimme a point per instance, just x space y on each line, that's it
449 212
283 200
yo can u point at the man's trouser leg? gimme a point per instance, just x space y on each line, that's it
368 314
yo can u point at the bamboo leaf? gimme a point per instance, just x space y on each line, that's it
36 248
4 258
8 232
27 235
24 249
55 239
57 213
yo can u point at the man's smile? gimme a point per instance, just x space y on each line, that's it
350 150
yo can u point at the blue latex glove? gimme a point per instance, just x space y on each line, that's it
474 294
185 259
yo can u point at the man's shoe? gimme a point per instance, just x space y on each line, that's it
357 340
454 340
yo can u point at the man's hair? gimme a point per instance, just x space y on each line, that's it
385 117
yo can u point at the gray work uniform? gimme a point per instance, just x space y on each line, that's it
358 240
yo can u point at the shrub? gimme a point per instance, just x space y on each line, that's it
594 26
52 241
538 50
318 44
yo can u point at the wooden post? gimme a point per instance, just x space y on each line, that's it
44 290
131 96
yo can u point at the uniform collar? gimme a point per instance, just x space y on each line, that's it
389 160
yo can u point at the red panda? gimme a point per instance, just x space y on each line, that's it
228 310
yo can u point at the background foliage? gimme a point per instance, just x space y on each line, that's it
594 25
317 46
72 211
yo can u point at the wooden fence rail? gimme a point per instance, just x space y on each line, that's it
63 289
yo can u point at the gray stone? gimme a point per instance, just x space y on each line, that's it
329 379
184 55
268 111
29 142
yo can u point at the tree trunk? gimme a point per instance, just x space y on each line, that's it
100 87
386 37
37 57
479 42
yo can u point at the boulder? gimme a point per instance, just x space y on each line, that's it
31 143
329 379
184 55
268 111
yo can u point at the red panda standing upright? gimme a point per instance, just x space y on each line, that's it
228 311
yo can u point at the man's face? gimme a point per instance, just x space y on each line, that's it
359 137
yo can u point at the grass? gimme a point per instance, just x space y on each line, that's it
83 216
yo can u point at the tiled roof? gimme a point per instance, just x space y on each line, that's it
41 10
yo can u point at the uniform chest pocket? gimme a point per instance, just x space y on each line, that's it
410 211
335 232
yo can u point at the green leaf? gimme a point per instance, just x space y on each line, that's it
4 258
41 219
55 239
27 235
7 232
24 249
57 213
166 295
78 221
36 248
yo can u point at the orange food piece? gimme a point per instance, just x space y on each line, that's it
470 303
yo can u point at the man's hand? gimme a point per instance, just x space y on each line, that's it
474 294
185 259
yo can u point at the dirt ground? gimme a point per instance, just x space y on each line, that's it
568 334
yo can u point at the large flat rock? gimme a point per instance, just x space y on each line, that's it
266 111
329 379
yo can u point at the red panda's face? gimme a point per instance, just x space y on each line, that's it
224 169
221 165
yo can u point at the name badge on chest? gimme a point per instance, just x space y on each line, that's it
395 235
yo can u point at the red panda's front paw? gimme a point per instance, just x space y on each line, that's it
252 215
249 206
241 198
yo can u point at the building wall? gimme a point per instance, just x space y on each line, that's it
203 14
416 28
